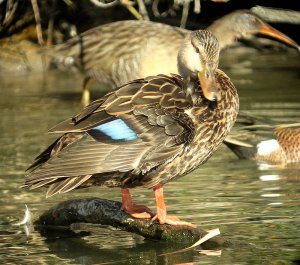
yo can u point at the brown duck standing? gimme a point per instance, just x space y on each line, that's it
116 53
146 133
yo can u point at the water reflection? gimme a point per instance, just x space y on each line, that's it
121 248
249 201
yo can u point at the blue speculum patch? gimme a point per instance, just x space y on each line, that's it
117 130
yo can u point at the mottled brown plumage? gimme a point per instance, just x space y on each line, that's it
158 106
119 52
261 139
147 132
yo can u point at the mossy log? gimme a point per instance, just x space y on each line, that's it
107 212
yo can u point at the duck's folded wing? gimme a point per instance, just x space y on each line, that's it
136 142
134 129
163 91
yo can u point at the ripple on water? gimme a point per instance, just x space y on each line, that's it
245 199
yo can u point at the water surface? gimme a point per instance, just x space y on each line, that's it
249 201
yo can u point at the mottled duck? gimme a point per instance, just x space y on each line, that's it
145 133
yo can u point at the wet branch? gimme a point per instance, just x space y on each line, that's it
37 16
107 212
276 15
103 4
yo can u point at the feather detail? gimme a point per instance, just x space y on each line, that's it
146 133
116 130
66 185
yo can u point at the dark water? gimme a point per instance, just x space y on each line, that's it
249 201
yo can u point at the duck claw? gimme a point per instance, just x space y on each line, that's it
172 220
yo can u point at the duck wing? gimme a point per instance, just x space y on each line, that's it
134 129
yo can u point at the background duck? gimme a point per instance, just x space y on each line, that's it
118 52
146 133
260 139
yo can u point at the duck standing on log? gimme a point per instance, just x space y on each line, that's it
145 133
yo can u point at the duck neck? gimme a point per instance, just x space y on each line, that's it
191 88
187 60
185 64
224 32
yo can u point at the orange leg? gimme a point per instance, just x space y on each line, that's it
136 211
161 215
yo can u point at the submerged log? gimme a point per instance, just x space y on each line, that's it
107 212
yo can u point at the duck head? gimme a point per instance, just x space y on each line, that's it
242 24
198 59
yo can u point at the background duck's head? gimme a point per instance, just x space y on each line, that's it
198 59
242 24
245 24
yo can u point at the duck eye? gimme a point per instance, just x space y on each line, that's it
196 49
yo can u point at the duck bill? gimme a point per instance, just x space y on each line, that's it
270 31
209 85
